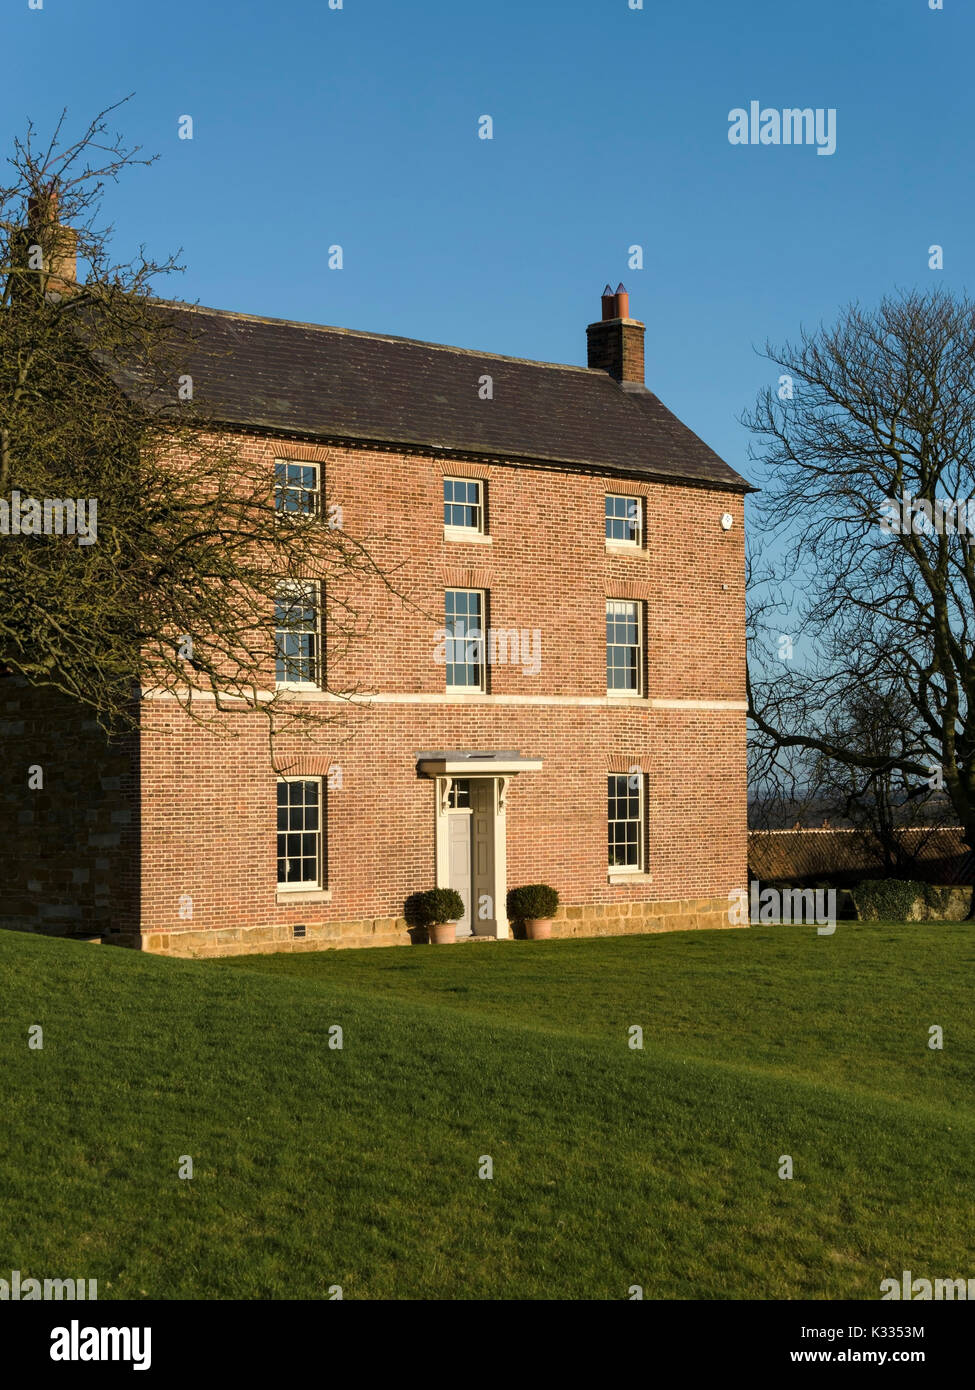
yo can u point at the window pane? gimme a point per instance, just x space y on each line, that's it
459 796
623 519
299 832
296 636
622 646
625 829
465 641
296 487
462 503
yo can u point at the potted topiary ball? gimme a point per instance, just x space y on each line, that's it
438 910
535 905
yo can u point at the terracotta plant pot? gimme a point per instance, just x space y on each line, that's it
442 933
538 928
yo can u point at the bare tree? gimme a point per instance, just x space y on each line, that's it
894 814
177 590
868 439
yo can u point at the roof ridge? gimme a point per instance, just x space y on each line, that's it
378 337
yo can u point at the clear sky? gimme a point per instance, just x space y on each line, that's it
359 127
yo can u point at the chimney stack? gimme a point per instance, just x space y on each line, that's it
616 342
59 244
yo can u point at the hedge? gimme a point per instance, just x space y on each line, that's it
897 899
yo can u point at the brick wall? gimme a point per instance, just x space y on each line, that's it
208 804
70 845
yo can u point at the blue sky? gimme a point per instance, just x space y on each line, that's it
358 127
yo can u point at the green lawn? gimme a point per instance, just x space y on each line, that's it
612 1166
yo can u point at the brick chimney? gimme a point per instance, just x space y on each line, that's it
616 342
59 244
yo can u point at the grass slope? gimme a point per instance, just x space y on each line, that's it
612 1166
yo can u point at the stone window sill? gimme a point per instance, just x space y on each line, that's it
293 897
463 533
629 878
612 549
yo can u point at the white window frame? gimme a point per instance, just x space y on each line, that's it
454 532
314 587
634 542
636 694
467 689
639 866
295 886
314 493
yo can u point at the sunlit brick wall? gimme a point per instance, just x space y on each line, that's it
208 805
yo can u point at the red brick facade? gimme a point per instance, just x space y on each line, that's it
208 805
191 816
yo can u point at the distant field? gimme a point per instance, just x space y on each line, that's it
358 1167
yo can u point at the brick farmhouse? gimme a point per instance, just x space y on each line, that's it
561 702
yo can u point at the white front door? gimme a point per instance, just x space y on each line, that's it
471 828
459 861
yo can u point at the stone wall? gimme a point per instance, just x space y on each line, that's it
632 919
610 919
250 941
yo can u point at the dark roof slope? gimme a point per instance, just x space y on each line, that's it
338 384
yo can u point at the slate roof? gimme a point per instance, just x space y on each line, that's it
337 384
